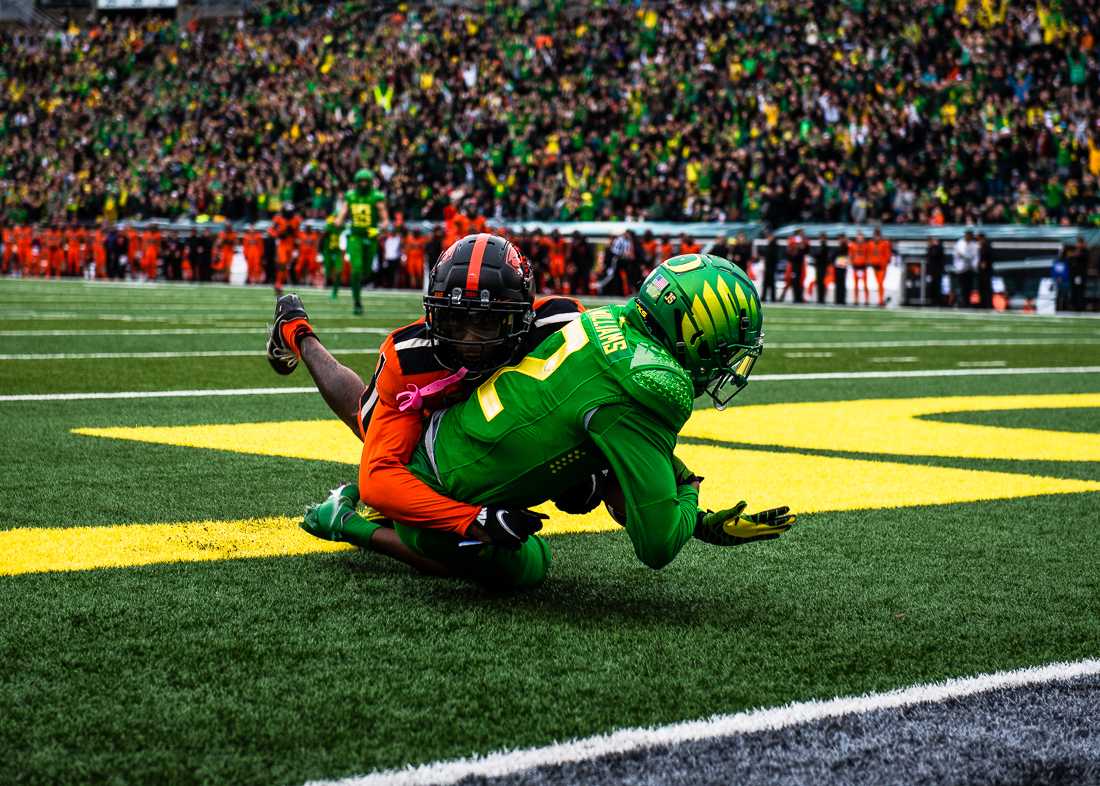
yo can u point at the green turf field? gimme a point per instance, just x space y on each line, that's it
319 665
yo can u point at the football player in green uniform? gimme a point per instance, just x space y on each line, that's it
367 207
332 256
610 391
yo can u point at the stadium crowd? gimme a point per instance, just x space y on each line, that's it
778 111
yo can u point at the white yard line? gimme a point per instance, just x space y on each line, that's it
926 342
223 331
379 331
507 763
212 353
931 372
157 394
946 372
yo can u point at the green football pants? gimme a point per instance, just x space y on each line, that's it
488 565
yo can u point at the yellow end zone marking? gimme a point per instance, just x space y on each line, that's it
892 426
42 550
805 482
810 484
319 440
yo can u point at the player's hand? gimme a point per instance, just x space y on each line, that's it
509 528
582 497
733 527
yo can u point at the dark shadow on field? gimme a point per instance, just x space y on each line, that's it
573 593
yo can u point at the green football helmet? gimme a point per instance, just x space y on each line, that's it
706 312
364 179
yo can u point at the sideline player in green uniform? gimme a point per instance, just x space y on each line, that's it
368 215
610 390
332 256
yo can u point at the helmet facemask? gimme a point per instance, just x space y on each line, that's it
478 335
479 308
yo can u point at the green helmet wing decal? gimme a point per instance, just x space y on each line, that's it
707 313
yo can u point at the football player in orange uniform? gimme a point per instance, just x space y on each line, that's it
284 228
479 316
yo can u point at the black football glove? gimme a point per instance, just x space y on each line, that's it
581 498
509 528
284 336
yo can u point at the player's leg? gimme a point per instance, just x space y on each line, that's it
483 563
430 551
291 338
356 248
328 260
370 254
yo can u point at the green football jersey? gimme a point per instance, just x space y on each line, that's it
330 243
599 393
363 211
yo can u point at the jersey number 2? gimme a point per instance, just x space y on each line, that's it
536 368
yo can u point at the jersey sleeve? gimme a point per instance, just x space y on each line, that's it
660 517
389 437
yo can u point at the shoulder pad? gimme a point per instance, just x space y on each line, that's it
660 384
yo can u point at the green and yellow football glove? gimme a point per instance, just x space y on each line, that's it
731 527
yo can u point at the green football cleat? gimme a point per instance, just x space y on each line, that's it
336 518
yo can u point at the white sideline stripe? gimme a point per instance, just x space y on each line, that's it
156 394
946 372
506 763
945 342
213 353
930 372
760 377
179 331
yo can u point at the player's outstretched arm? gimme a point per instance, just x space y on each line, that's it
291 339
660 514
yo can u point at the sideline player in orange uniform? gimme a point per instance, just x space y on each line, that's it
284 228
424 367
98 266
858 256
413 244
253 244
24 248
54 258
7 237
150 252
227 246
309 244
556 247
133 251
880 260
